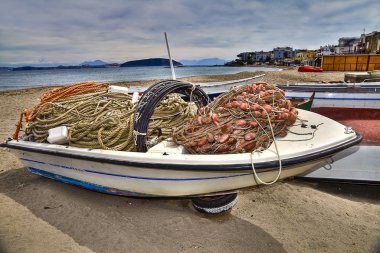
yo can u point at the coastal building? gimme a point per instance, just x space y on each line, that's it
247 57
326 50
346 45
369 43
306 57
262 56
280 53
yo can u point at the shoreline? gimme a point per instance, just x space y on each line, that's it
286 75
250 69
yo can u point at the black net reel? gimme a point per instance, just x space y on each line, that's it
153 96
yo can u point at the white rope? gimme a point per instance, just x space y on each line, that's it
278 156
135 134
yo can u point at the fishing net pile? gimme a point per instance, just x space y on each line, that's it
245 119
97 118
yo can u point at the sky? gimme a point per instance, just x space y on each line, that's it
73 31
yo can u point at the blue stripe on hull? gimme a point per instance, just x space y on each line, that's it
89 186
138 177
326 98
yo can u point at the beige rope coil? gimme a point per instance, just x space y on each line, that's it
104 120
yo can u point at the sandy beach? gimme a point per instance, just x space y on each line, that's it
41 215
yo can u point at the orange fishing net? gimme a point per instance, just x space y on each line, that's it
245 119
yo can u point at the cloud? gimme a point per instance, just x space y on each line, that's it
73 31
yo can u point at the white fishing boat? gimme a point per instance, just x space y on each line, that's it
214 89
168 170
342 96
353 104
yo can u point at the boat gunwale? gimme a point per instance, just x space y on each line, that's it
200 167
337 90
217 84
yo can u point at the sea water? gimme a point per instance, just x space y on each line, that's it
12 80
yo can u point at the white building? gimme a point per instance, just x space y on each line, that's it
347 45
327 50
263 56
280 53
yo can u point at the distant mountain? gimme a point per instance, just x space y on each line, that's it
150 62
204 62
24 68
93 63
43 65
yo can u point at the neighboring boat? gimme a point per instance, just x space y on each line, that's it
309 69
365 76
214 89
353 104
168 170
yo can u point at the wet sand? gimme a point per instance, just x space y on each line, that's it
42 215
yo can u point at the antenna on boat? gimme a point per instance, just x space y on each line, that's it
170 58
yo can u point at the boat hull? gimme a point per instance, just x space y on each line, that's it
354 105
361 111
215 87
150 182
359 163
309 69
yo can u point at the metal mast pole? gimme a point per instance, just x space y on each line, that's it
170 58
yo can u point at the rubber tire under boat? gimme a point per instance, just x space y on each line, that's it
215 204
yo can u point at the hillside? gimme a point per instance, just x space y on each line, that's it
150 62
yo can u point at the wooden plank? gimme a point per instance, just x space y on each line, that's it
363 67
363 59
356 67
374 59
351 62
339 59
328 59
351 59
367 63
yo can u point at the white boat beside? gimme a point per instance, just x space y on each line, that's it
337 95
353 104
214 89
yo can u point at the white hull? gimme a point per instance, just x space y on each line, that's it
339 100
339 95
357 105
127 180
167 170
355 163
216 87
220 87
